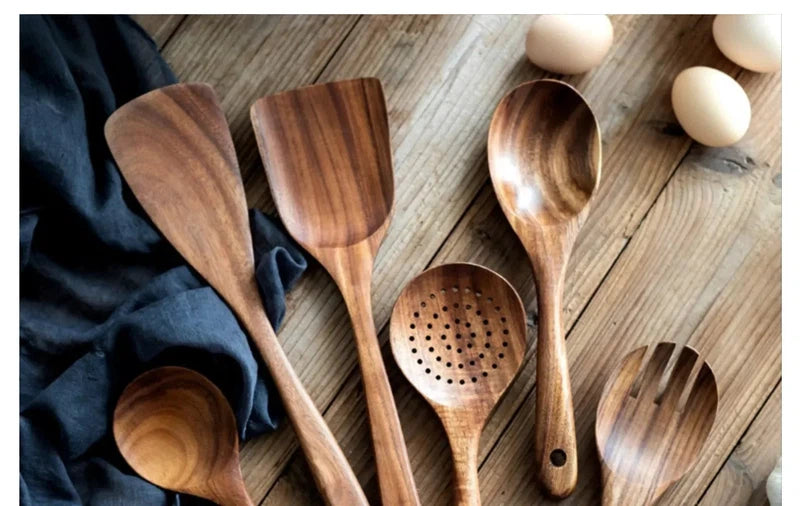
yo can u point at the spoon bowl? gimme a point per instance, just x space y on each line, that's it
458 333
652 422
544 153
544 160
176 429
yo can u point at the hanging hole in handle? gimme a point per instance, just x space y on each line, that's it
558 457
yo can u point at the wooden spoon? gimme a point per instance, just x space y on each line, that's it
544 160
458 333
174 148
327 156
175 428
651 425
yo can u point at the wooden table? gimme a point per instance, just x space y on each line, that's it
683 242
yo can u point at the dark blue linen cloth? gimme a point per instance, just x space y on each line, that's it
103 296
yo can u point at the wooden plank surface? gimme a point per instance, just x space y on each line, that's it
678 240
159 26
742 480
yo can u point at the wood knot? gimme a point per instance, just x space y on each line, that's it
669 128
729 160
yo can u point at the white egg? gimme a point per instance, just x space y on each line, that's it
752 41
569 44
710 106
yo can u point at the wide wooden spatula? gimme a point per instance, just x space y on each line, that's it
174 149
327 155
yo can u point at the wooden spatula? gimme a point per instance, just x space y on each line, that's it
327 155
174 149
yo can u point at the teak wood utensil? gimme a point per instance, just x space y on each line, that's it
544 160
176 429
458 333
175 150
328 159
652 424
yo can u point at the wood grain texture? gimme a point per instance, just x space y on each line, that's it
705 252
247 57
443 76
458 334
160 26
636 123
389 48
327 155
742 480
173 147
653 418
544 160
176 429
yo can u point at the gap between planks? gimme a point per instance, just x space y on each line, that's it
766 416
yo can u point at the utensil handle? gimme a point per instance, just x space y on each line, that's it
555 446
332 472
464 447
617 492
391 457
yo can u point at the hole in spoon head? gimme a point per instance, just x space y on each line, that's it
558 457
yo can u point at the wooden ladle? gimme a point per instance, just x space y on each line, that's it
176 429
458 333
652 422
328 159
544 160
175 151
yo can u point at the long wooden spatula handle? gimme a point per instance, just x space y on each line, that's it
329 466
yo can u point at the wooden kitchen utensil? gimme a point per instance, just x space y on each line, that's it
544 160
651 425
458 333
174 149
175 428
328 159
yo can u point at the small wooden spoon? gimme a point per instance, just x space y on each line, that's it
175 428
650 425
458 333
175 151
544 160
328 159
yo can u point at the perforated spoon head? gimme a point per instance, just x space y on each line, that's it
458 333
652 422
176 429
544 154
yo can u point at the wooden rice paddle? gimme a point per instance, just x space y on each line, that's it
174 149
544 159
327 155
